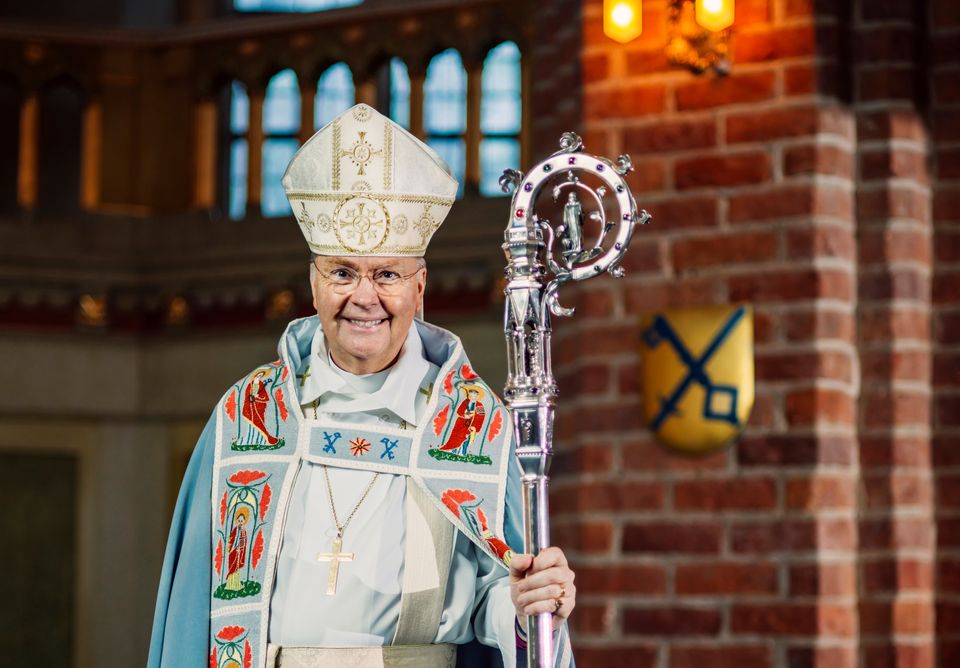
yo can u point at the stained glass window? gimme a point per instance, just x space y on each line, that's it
500 116
281 122
291 5
399 92
239 122
445 110
335 94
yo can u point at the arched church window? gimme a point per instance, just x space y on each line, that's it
445 110
239 124
500 116
399 92
60 127
291 5
10 101
281 123
335 94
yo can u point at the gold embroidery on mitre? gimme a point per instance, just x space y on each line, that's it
336 155
360 153
387 158
361 224
361 113
379 196
425 224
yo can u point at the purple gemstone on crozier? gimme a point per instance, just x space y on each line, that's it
626 216
571 161
528 187
599 168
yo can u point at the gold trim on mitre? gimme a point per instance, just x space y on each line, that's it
364 186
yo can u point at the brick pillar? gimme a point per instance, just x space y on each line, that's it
896 608
945 103
747 557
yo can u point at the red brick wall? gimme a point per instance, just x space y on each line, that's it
894 231
805 183
944 62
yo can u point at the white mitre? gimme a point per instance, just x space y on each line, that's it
362 185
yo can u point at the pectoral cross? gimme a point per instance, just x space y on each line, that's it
335 556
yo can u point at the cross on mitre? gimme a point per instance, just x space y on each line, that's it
360 153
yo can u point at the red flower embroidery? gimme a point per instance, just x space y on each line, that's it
482 516
452 498
283 376
467 373
265 501
247 655
498 546
228 633
440 421
246 477
496 424
257 549
278 395
213 658
448 383
231 406
359 446
223 508
218 558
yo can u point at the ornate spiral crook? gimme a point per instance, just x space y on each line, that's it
576 262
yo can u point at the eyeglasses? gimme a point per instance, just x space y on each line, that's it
344 280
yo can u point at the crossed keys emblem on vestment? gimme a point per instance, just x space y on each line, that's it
597 215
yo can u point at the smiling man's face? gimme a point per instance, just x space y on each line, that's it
365 327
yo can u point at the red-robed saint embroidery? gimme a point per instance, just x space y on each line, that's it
255 400
237 552
470 417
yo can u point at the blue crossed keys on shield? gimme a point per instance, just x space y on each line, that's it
660 331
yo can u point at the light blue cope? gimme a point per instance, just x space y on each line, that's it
183 634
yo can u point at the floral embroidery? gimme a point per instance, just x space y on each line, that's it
228 652
359 446
464 504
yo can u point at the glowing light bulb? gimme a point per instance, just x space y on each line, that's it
714 15
622 19
621 14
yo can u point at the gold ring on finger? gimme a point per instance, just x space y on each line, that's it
558 603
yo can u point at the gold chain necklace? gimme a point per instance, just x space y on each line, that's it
335 556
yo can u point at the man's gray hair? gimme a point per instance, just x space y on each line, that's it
421 262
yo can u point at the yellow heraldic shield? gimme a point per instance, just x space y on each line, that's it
697 375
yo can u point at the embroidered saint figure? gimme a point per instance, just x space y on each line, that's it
470 417
243 509
237 549
255 400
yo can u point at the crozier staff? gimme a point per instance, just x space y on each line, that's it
373 534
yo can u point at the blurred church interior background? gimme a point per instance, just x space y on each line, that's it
149 258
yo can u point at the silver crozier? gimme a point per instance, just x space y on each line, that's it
540 258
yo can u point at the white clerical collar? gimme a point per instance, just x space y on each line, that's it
349 392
